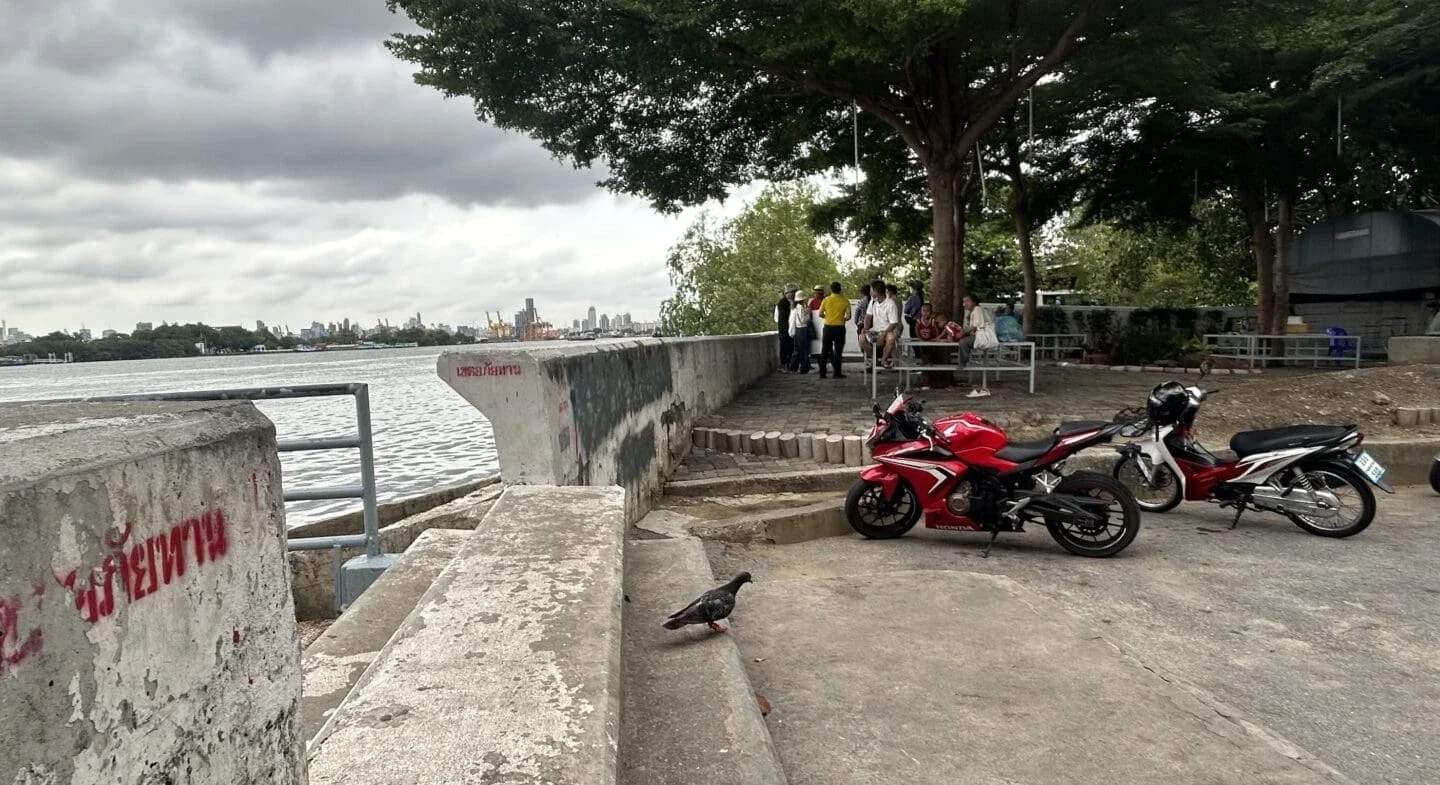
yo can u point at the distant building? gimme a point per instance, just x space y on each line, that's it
108 334
259 326
576 326
84 335
590 322
467 331
144 327
604 323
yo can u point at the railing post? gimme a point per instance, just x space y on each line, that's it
367 470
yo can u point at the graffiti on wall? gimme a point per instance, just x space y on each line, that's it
130 570
489 369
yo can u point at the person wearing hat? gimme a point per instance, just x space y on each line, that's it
782 325
801 326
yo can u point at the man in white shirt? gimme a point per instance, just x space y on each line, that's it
882 325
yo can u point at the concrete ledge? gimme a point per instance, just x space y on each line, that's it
615 412
392 511
508 670
1414 350
786 527
781 482
312 573
690 716
335 661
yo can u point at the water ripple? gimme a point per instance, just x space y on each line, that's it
425 434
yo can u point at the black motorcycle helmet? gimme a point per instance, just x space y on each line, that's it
1166 404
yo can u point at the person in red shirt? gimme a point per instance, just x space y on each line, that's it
818 298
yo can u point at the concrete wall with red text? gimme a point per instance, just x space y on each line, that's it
147 632
603 413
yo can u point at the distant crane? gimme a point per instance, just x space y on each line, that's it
499 328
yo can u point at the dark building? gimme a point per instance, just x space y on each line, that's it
1369 273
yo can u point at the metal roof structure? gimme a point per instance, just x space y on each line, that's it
1376 253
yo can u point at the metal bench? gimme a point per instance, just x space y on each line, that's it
1057 345
1013 357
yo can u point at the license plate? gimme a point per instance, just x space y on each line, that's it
1369 467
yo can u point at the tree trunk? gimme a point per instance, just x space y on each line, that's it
947 261
1262 245
1020 211
1285 234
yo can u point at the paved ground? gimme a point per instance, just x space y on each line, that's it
1330 644
799 403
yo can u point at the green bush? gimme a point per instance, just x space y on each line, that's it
1148 346
1051 320
1099 329
1165 319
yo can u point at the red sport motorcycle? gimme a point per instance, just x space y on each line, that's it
964 474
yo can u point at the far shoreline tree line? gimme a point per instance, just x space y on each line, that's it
181 340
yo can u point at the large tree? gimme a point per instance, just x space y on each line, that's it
684 100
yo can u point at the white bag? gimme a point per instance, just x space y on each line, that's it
985 338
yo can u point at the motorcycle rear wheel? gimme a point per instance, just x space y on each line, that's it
1435 474
1111 536
1336 476
1166 489
871 515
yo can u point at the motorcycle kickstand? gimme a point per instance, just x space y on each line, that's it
985 554
1239 510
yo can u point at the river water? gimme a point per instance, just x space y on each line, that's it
425 434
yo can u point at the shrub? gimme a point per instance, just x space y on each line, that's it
1052 320
1148 346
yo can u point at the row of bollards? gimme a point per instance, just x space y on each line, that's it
1409 418
819 447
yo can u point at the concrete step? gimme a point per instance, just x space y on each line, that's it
335 661
508 669
689 716
938 677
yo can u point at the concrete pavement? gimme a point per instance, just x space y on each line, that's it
1324 648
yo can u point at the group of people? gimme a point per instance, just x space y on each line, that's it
879 319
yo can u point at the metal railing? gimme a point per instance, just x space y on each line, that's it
365 491
1314 348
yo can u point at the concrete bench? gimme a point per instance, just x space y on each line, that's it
508 670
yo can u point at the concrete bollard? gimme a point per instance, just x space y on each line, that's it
757 443
818 449
744 442
806 445
853 450
789 447
697 437
736 441
710 440
1435 416
772 444
835 449
1407 418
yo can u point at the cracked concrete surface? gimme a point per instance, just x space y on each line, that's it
1318 650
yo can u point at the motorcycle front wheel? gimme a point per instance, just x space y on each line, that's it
1160 496
1435 474
1107 537
872 516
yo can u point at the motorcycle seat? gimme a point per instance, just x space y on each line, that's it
1252 442
1024 452
1079 426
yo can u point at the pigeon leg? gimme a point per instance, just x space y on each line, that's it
716 628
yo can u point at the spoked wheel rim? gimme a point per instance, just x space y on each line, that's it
1101 534
873 510
1148 495
1351 505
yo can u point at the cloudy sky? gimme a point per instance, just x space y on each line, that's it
232 160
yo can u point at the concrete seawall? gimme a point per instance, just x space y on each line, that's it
605 413
146 626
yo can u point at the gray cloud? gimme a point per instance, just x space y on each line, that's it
233 160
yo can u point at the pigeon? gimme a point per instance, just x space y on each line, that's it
710 607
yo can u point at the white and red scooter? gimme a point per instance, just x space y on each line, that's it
1315 475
